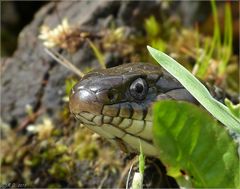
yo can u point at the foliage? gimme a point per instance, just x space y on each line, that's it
69 83
198 152
235 109
137 182
213 48
98 54
226 52
141 161
197 89
152 28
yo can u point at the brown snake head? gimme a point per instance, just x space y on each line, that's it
116 102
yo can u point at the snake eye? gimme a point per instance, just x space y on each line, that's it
138 89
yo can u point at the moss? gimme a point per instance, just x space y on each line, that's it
89 152
59 170
54 185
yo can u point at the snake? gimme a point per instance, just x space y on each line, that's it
116 103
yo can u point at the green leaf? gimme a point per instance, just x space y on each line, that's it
235 109
197 89
98 54
196 150
158 44
141 159
152 27
69 83
227 43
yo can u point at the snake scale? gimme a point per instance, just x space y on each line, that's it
116 102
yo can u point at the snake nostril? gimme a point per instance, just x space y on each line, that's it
112 96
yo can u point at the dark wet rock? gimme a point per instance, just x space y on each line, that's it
113 59
133 13
14 16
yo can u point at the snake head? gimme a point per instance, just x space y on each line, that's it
116 102
129 83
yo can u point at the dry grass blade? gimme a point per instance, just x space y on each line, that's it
63 61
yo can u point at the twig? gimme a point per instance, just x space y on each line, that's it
29 119
63 61
129 174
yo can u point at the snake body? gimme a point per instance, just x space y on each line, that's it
117 102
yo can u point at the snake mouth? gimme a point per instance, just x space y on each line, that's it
124 132
118 125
